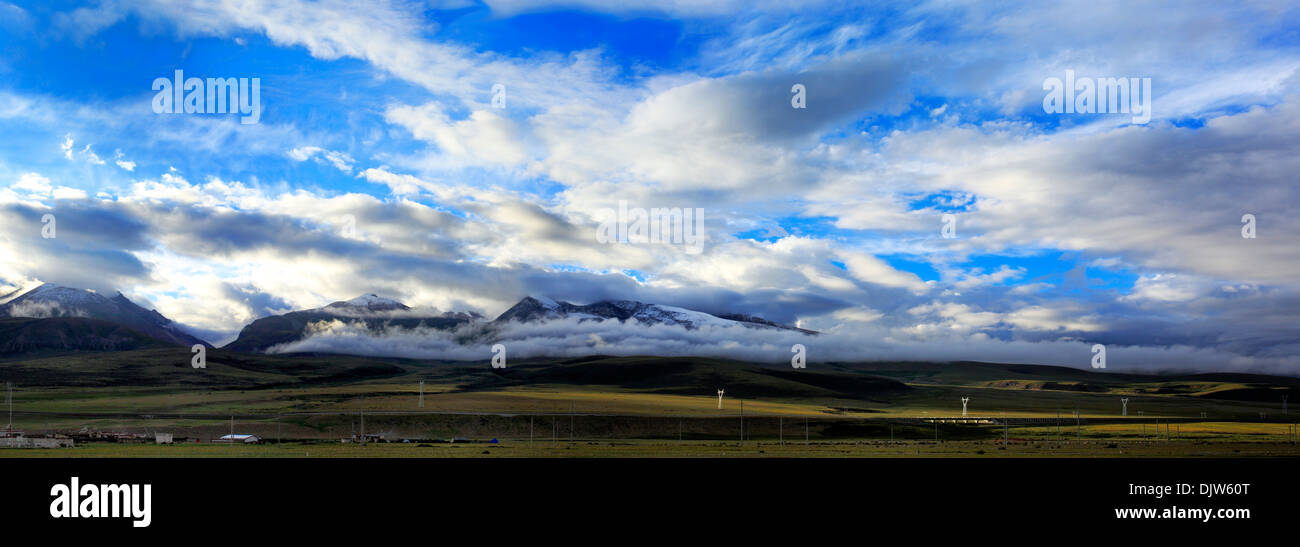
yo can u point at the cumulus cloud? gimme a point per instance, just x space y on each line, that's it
484 137
34 183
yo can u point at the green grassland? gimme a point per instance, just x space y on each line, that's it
687 449
639 406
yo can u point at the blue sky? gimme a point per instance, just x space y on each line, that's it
381 164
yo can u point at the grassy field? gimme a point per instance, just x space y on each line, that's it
687 449
639 407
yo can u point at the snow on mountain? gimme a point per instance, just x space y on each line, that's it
51 300
371 302
533 309
374 312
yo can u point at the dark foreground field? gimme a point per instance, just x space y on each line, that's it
635 406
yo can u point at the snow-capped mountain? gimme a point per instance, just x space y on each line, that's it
369 302
54 301
532 309
375 311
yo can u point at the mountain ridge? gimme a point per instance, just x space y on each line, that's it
50 300
530 309
60 304
374 311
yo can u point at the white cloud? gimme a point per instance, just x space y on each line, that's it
485 137
33 182
64 192
339 160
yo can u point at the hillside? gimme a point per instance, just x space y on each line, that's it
171 367
29 337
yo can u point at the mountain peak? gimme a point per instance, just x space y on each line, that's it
54 300
372 302
368 310
546 302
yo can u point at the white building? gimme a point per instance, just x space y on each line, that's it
239 438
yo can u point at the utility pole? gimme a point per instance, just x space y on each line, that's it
277 431
1284 405
363 420
742 421
421 393
572 406
780 428
805 431
530 430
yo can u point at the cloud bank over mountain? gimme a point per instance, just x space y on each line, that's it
576 338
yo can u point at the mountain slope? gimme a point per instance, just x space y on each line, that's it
375 311
28 337
56 301
169 367
532 309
